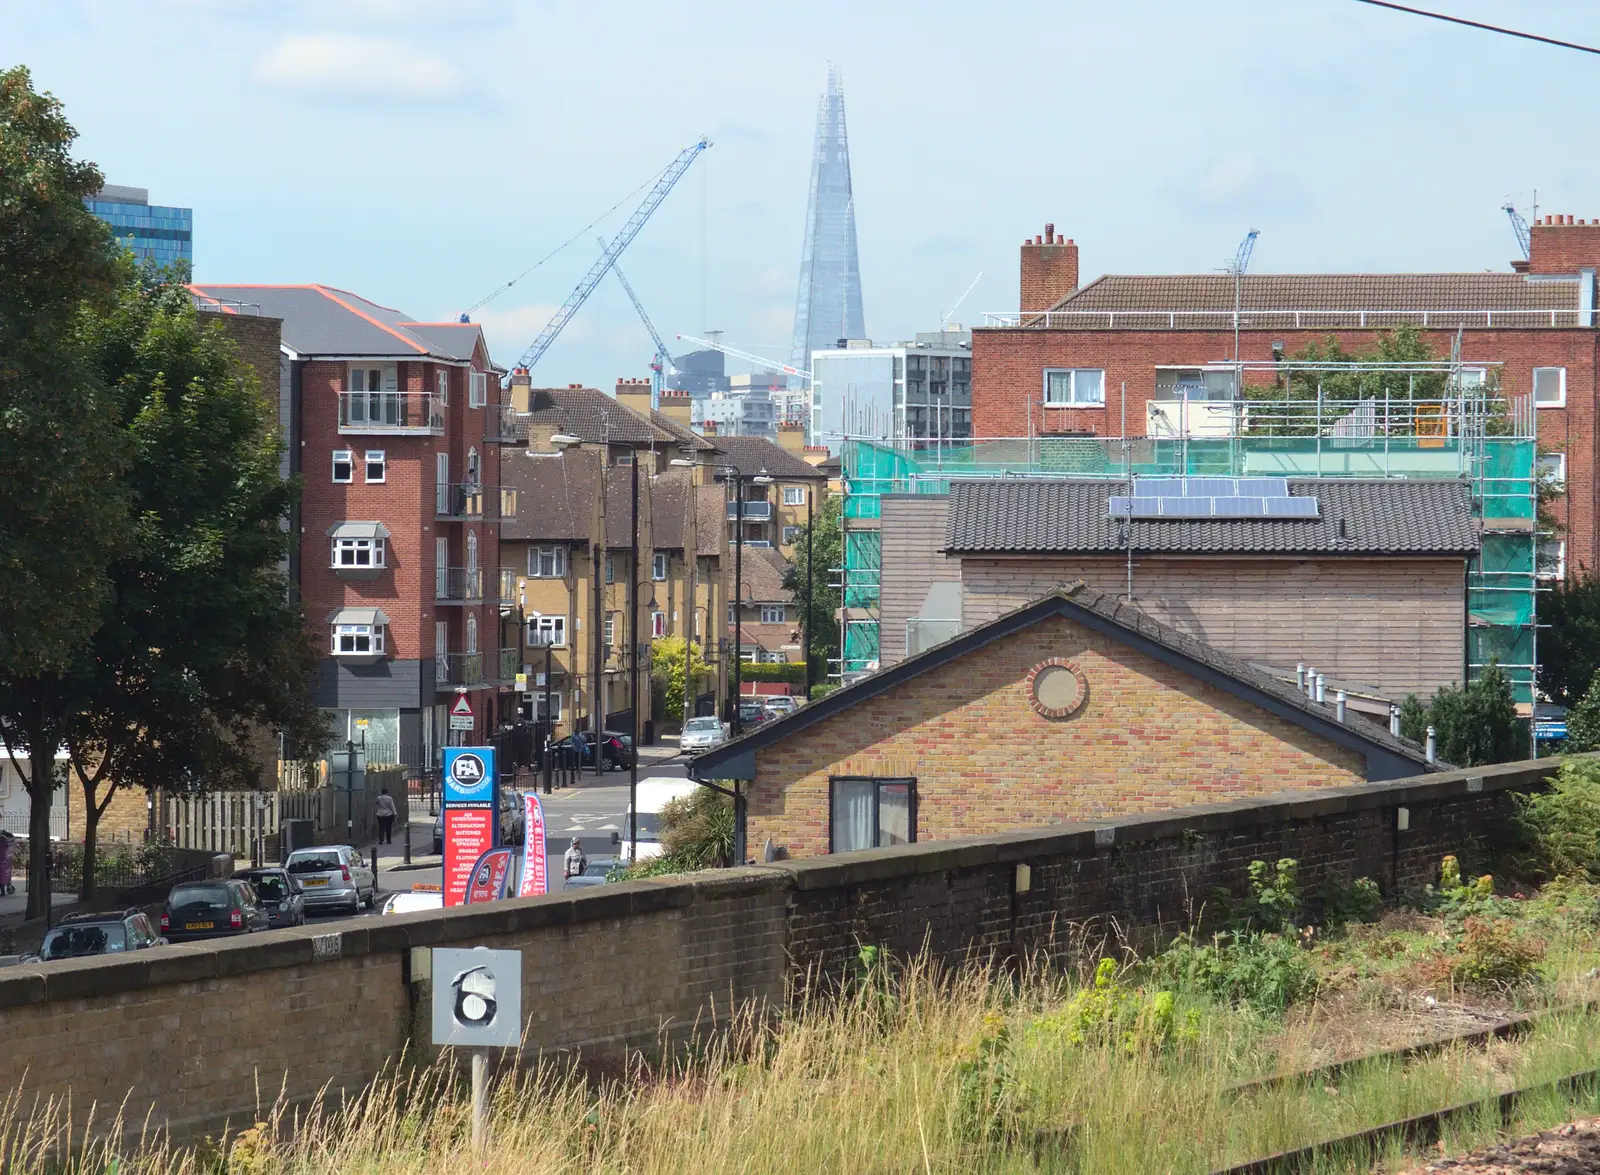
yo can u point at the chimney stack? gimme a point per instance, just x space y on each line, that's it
1049 270
634 394
521 384
1562 244
792 436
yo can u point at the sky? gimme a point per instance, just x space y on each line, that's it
423 153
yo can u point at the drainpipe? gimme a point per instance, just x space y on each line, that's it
1431 751
1339 705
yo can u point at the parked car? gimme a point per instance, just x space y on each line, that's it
594 873
752 714
782 706
702 734
616 750
513 820
438 833
106 933
333 877
212 909
278 894
420 897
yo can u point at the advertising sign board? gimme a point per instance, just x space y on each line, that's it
470 815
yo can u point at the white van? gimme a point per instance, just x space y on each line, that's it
655 793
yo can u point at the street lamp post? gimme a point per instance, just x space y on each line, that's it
805 628
633 668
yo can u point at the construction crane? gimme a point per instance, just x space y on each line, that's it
1518 226
770 364
608 258
663 359
1240 263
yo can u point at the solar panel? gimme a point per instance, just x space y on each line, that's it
1239 507
1186 507
1287 507
1119 507
1211 487
1158 487
1147 507
1262 487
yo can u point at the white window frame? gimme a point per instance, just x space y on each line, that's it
1072 399
1551 569
539 626
375 460
608 631
611 568
658 625
774 614
794 495
374 547
441 384
1561 400
658 566
536 699
372 634
791 535
477 389
1552 471
558 562
346 458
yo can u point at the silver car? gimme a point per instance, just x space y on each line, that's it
333 877
702 734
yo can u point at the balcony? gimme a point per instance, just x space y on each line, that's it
752 512
469 502
458 585
500 424
390 414
470 670
506 587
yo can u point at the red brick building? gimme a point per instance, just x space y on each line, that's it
1121 355
395 426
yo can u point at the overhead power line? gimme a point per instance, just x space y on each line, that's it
1478 24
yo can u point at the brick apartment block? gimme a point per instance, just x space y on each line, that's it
395 427
1133 330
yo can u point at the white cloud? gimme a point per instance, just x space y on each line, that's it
424 11
1241 184
357 66
509 331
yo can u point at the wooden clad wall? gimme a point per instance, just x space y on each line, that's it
1396 625
912 562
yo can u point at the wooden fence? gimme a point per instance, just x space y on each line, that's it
237 822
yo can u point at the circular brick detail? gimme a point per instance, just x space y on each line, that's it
1057 688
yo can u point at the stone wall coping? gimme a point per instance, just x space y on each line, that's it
41 983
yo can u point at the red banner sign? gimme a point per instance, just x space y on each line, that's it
535 863
468 834
489 876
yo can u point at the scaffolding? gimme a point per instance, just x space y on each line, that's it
1441 420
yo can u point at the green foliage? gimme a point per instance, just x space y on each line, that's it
1569 639
1108 1013
1583 721
697 832
827 551
986 1084
1353 901
1473 726
1496 953
822 689
1266 971
667 658
1561 826
788 672
1274 903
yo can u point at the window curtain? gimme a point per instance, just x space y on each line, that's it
852 815
894 814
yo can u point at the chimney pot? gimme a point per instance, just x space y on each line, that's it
1049 234
1394 720
1431 748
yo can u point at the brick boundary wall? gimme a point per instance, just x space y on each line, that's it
188 1034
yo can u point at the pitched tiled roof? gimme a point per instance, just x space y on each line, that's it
686 437
321 320
1387 755
762 577
1207 300
669 509
752 455
711 526
619 507
590 415
1410 517
555 495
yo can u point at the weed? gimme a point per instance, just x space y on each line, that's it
1493 952
1345 902
1107 1013
986 1083
1274 895
1266 971
1561 827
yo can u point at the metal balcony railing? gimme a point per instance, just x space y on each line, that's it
500 424
752 511
390 413
471 501
458 585
465 670
506 586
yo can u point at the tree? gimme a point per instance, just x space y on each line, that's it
697 832
1583 721
1472 726
667 666
199 652
1569 649
62 516
827 552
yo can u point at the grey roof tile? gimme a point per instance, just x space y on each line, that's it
752 455
592 416
1397 517
321 320
555 495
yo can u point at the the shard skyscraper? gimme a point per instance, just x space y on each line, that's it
828 307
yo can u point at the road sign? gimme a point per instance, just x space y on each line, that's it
477 997
521 682
1550 729
461 713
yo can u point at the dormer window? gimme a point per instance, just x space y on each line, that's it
360 549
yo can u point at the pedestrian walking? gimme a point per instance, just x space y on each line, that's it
575 862
384 810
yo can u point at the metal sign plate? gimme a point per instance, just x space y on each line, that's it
477 997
